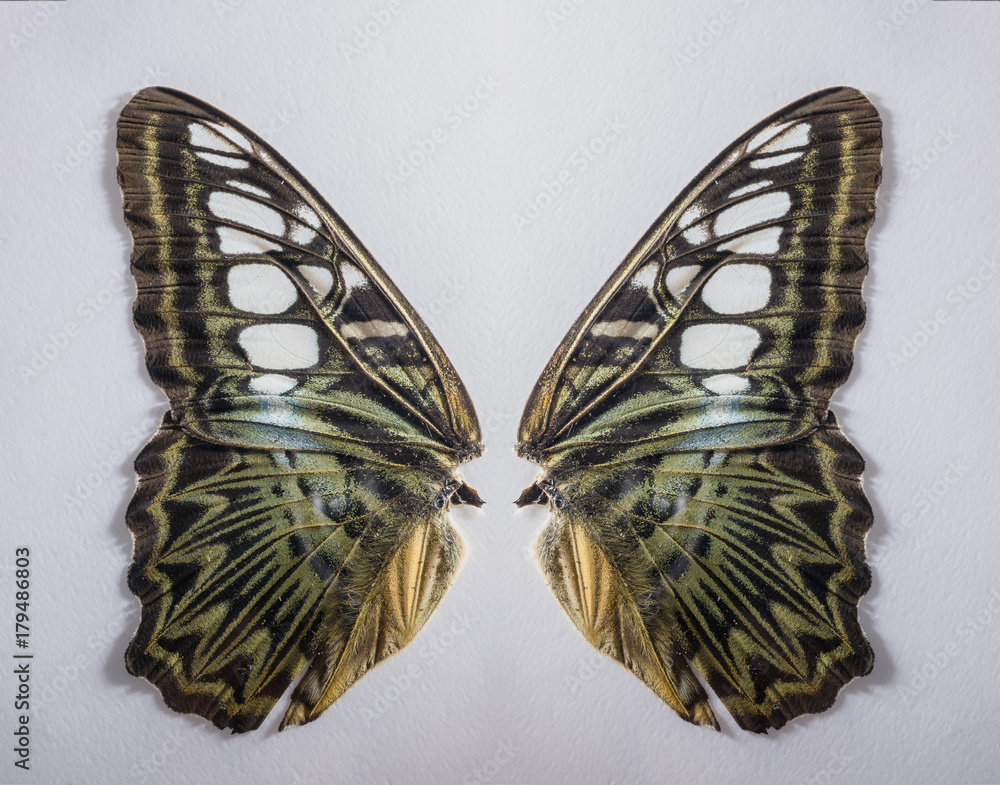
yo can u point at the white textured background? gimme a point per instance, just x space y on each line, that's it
500 688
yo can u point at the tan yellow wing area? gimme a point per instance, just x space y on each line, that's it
595 597
399 603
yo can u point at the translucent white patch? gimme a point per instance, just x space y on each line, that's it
696 234
760 209
353 278
738 288
763 241
237 243
679 278
202 136
272 384
766 135
796 137
625 328
250 189
230 207
778 160
232 135
307 215
221 160
281 347
260 288
375 328
726 384
319 278
717 347
646 277
302 234
749 189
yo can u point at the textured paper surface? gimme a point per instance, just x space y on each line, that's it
441 133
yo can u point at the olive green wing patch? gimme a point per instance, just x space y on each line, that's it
707 513
252 564
748 564
291 513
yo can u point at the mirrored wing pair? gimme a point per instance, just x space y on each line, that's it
291 511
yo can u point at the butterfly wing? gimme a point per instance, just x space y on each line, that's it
746 291
707 510
252 290
291 510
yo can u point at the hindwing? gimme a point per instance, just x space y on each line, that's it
291 512
707 512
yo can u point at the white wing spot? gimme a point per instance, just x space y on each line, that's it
307 215
203 136
726 384
717 347
778 160
679 278
695 234
281 347
625 328
319 278
222 160
738 288
353 279
375 328
230 207
232 135
302 234
760 209
646 277
260 288
250 189
766 135
236 243
749 189
272 384
763 241
796 137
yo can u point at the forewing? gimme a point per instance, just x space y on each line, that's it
266 322
733 320
748 565
251 564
